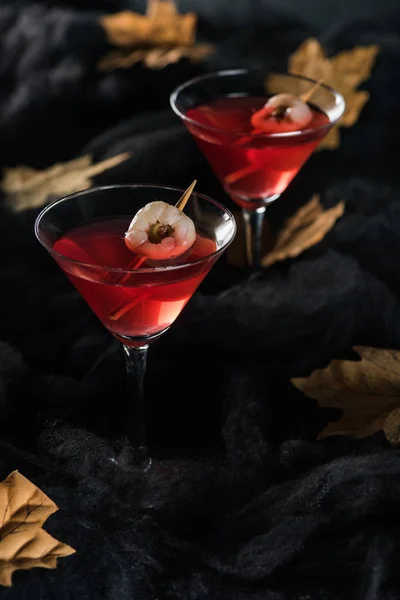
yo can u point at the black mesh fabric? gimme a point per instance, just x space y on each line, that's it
242 502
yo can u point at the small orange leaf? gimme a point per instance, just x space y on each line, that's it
366 390
306 228
162 25
160 37
26 187
155 58
23 543
344 72
391 427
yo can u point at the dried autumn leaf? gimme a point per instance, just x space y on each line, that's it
391 427
344 72
23 543
306 228
160 37
366 390
157 58
26 187
162 25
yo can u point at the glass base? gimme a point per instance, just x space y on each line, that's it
138 461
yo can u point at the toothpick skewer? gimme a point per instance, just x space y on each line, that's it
185 196
307 95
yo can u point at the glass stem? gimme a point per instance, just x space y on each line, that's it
253 224
136 361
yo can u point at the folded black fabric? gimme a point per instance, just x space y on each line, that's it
243 503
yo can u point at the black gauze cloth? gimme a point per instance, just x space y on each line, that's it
243 502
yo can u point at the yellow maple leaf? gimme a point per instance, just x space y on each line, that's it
343 72
306 228
367 391
155 58
23 543
162 25
158 38
26 187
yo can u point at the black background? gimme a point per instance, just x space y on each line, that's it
242 502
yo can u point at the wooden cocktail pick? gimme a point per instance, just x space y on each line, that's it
307 95
185 196
117 312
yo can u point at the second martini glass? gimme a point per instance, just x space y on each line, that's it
254 166
136 300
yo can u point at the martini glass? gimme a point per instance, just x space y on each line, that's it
254 168
84 233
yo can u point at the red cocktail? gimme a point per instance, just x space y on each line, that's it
135 304
251 165
136 258
256 129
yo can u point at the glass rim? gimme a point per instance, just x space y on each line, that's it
230 72
126 270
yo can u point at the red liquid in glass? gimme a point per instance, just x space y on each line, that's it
250 166
132 305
